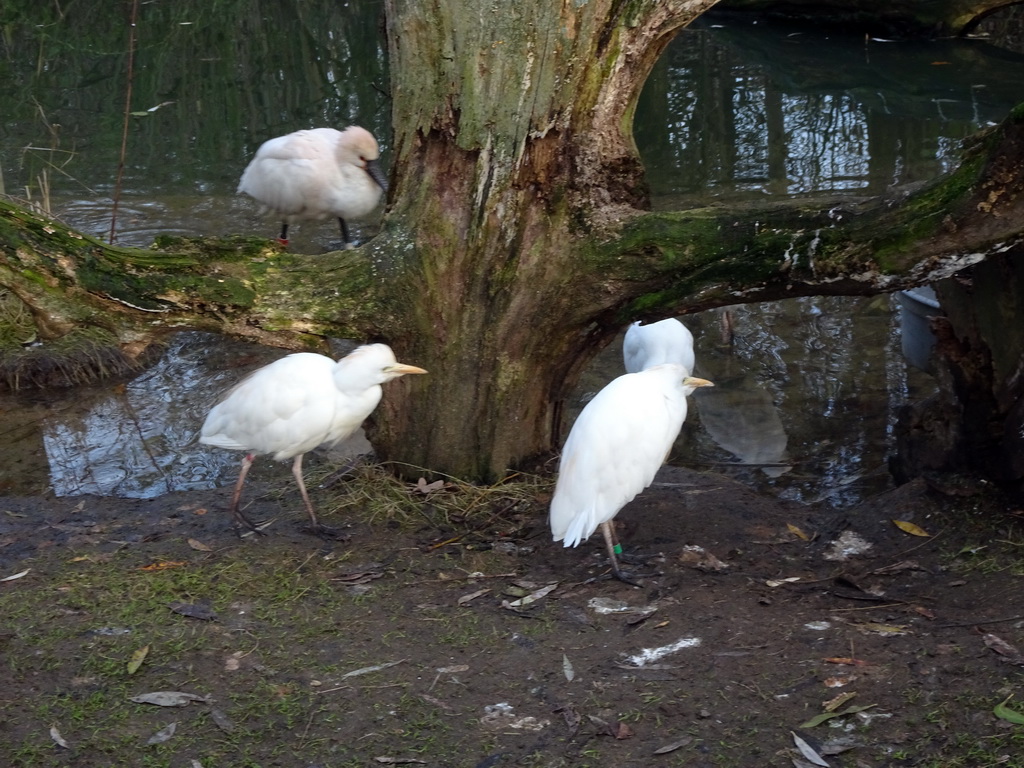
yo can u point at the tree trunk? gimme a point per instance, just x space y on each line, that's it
512 141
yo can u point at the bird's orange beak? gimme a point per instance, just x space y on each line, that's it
401 369
692 381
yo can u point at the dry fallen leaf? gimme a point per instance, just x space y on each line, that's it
913 530
16 575
136 660
57 738
368 670
163 734
531 598
472 596
167 698
200 610
162 565
808 751
567 670
797 532
673 746
198 545
836 702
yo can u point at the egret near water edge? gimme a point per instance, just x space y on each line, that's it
309 175
618 443
295 404
666 341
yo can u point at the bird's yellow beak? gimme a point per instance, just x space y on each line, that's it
692 381
401 369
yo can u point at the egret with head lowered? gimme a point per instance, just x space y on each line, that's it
667 341
314 174
618 443
295 404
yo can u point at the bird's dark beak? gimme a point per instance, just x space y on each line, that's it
692 381
373 168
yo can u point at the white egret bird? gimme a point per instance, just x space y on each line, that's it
615 448
297 403
667 341
315 174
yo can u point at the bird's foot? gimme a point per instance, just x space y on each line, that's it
637 559
326 532
633 579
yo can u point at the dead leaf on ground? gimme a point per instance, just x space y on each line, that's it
531 598
911 528
167 698
673 746
399 760
1006 651
162 565
422 486
886 630
57 738
701 560
360 575
472 596
567 670
200 610
368 670
163 734
847 660
137 658
779 582
797 532
16 575
808 751
199 546
826 716
837 701
221 720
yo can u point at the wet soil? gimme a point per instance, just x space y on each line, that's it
404 644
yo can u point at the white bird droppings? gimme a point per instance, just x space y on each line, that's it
651 655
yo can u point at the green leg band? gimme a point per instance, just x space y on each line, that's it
617 549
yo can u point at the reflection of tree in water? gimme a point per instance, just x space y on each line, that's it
812 384
771 110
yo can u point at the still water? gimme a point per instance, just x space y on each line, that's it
807 390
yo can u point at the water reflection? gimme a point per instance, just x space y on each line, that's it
138 439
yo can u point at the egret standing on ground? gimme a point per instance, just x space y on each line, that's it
315 174
667 341
295 404
614 449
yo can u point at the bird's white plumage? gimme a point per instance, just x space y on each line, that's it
295 404
667 341
616 446
301 401
316 173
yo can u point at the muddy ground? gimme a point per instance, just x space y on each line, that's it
404 644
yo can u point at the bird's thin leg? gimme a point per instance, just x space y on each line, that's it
314 524
283 239
611 543
241 520
346 243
